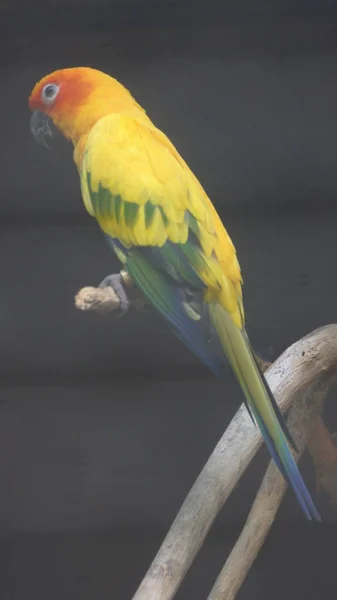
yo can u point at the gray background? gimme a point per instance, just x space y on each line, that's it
105 424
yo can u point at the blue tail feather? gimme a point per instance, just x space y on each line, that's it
290 473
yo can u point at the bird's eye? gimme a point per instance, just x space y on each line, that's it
50 92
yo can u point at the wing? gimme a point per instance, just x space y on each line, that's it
144 195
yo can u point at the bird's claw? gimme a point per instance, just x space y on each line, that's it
115 281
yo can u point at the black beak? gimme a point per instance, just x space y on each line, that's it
40 127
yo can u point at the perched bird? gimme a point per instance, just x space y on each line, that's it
166 232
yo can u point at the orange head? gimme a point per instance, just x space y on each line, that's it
75 99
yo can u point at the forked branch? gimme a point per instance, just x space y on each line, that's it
304 372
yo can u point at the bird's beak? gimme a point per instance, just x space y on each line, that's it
40 126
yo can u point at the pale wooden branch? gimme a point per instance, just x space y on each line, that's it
303 372
268 499
100 300
306 363
104 300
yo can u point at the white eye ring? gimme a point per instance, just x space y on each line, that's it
50 92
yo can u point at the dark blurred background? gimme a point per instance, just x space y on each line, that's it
105 424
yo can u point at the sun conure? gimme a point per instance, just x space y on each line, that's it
166 232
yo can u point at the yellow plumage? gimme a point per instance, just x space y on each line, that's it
130 157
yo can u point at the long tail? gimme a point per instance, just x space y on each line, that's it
261 403
213 347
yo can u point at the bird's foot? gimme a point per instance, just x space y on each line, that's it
115 281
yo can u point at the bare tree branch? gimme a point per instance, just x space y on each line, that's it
306 363
303 372
105 300
100 300
268 499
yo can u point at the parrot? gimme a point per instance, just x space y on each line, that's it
166 233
